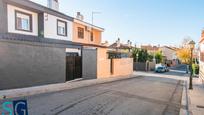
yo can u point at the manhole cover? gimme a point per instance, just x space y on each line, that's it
200 106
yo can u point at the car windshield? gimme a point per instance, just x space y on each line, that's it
160 67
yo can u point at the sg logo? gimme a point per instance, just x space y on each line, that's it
18 107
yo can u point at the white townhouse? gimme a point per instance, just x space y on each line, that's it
26 17
36 45
29 18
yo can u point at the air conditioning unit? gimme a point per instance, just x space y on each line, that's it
88 28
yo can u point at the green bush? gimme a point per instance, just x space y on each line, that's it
195 68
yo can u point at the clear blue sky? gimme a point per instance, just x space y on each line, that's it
141 21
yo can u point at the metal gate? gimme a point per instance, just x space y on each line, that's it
73 67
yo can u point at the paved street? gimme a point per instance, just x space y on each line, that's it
143 95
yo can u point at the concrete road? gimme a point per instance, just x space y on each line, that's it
181 67
143 95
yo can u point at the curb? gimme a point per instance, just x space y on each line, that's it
22 92
184 110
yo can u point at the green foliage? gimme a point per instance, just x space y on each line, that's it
141 55
195 68
158 57
134 53
150 57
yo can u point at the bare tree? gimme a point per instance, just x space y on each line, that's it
185 41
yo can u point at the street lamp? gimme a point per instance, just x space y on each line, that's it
154 59
191 46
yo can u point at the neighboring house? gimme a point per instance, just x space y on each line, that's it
96 62
85 33
169 54
150 49
201 57
120 47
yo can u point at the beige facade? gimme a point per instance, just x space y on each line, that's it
116 67
168 52
90 34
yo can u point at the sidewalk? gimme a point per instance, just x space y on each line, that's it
196 98
13 93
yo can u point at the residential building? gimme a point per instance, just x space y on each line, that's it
169 54
201 57
150 48
40 45
121 47
34 43
85 33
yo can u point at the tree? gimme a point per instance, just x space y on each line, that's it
158 57
140 55
184 55
150 57
135 52
185 41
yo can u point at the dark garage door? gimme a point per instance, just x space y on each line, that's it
73 67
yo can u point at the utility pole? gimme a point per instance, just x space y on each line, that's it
92 22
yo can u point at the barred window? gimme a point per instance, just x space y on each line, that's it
80 32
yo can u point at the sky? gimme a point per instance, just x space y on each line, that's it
164 22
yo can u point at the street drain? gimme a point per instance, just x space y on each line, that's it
200 106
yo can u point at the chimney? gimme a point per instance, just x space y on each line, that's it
80 16
53 4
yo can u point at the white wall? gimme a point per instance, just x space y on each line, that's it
74 50
50 28
11 21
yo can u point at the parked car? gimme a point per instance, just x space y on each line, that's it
166 69
160 69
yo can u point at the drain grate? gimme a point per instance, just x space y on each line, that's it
200 106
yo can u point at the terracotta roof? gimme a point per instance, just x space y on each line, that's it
149 47
172 48
120 46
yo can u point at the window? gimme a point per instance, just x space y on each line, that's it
23 21
80 32
92 36
61 28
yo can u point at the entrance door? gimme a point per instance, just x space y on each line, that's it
78 67
73 66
